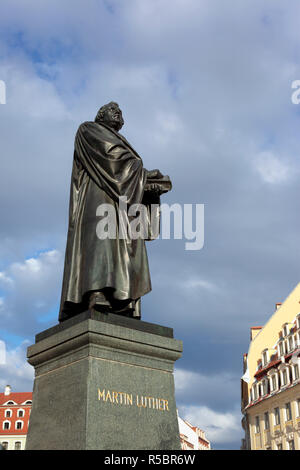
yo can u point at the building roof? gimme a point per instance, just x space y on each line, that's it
269 366
18 398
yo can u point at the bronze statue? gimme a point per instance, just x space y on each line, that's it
107 274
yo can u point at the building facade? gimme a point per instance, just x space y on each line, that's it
191 437
270 386
14 418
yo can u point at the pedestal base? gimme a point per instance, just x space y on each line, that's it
104 382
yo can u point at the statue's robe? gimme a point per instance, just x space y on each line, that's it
105 167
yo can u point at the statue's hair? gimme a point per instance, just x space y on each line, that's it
100 114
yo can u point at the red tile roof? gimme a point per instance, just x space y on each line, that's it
268 366
17 397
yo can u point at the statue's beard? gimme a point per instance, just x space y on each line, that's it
116 123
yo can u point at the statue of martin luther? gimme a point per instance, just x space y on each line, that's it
110 274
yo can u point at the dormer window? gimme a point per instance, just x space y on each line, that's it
284 375
265 358
291 343
285 330
281 348
273 380
296 372
265 387
255 392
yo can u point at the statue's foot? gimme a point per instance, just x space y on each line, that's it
99 302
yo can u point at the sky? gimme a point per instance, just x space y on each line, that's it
205 87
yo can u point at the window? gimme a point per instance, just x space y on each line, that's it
19 424
18 445
279 446
28 402
277 416
255 396
266 420
296 372
8 413
6 425
285 330
274 383
281 349
265 387
261 389
298 407
20 413
10 403
284 377
291 343
291 444
264 358
288 412
4 445
257 425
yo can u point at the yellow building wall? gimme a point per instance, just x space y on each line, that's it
268 335
287 430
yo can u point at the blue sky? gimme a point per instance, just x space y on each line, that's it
205 89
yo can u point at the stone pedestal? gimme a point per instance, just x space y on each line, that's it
104 382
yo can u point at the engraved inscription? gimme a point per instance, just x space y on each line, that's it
128 399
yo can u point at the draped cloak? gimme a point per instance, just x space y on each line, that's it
105 167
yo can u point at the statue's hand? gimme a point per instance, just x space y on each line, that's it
154 174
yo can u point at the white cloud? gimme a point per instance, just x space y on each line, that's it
6 280
199 283
199 401
220 428
205 386
16 371
33 292
272 169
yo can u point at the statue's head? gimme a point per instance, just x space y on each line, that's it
111 115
